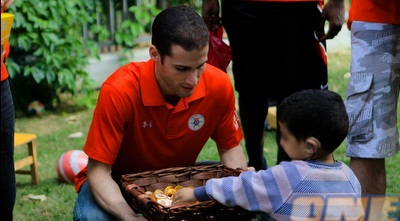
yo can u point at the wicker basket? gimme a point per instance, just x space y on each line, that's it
135 186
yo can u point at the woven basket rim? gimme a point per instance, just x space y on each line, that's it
136 185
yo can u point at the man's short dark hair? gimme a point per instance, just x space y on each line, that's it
180 25
315 113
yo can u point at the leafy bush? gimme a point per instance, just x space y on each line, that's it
131 28
48 52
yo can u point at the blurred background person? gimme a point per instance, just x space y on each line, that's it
278 48
7 179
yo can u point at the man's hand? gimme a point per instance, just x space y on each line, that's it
5 4
210 14
107 193
333 12
138 218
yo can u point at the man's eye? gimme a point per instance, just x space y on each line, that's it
179 68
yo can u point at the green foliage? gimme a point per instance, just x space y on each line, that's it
48 49
196 4
49 53
143 14
130 29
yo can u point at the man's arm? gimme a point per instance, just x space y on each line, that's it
333 12
233 157
5 4
107 193
210 14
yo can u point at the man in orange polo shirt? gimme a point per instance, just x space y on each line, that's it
157 114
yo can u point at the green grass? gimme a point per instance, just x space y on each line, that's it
53 130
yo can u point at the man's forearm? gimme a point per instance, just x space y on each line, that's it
233 157
106 191
108 195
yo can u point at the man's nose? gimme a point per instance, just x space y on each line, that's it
193 78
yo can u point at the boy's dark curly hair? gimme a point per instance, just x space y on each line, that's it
315 113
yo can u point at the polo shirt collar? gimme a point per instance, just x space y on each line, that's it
151 93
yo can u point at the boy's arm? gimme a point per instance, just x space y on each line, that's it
230 191
254 191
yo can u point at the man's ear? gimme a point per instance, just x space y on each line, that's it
154 53
313 145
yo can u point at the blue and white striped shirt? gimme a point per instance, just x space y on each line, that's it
291 190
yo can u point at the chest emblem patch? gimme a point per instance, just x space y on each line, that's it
196 122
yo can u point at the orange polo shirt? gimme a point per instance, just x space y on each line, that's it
377 11
134 129
4 73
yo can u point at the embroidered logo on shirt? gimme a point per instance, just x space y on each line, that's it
147 124
196 122
236 120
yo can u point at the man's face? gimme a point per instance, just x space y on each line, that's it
179 73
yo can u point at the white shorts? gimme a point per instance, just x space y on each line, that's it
373 90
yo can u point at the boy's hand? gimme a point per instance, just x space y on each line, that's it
184 196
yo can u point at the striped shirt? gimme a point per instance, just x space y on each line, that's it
291 190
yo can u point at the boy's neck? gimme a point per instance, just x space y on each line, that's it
326 159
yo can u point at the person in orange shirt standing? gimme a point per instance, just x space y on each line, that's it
7 179
373 90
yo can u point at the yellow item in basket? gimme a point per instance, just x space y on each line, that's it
170 192
157 191
178 187
6 23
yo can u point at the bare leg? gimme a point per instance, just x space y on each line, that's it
372 176
371 173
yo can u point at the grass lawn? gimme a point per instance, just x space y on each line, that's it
53 130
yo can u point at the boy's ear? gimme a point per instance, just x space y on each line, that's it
313 144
